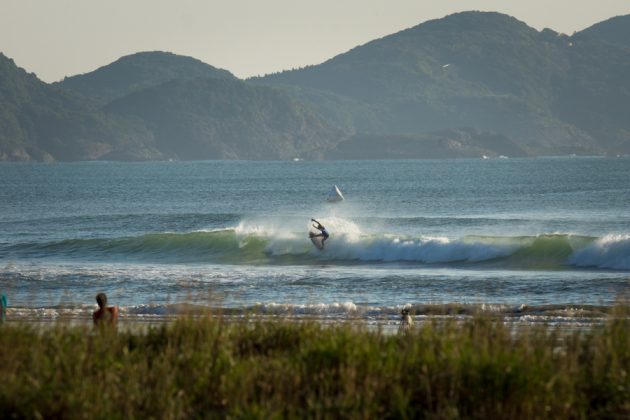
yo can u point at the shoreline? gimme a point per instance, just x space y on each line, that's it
387 325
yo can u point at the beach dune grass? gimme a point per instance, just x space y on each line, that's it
206 367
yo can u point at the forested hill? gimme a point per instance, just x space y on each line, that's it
42 122
470 84
135 72
227 119
154 106
615 30
551 93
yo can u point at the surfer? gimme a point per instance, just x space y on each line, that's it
323 232
105 314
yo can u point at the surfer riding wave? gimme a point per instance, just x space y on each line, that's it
323 232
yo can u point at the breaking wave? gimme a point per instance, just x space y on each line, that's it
255 244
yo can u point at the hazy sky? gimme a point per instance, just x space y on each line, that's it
57 38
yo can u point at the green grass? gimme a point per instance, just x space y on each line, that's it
206 367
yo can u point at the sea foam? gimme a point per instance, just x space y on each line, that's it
610 251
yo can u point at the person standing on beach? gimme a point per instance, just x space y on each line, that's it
105 315
406 322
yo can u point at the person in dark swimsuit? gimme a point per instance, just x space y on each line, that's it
322 230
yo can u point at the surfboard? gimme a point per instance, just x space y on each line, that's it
317 240
335 196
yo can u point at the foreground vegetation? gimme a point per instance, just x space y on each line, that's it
211 368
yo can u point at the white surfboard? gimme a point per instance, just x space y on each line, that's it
335 196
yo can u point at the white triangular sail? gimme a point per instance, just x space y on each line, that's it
334 196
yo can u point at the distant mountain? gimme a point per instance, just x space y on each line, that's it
195 111
483 70
183 109
135 72
615 30
470 84
42 122
227 119
595 94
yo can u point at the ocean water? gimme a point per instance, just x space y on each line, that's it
532 239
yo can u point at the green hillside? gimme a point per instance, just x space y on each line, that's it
483 70
43 122
594 94
135 72
614 31
227 119
182 109
470 84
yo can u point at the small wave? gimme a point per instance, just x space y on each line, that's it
335 310
170 247
351 309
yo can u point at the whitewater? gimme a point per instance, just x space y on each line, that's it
534 240
262 245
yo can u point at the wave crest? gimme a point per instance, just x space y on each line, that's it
254 244
610 251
